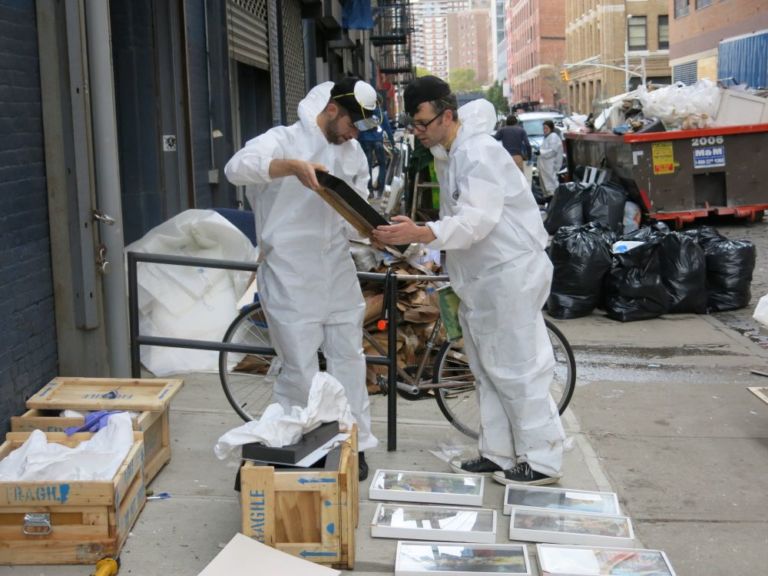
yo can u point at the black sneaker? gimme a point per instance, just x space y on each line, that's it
362 466
479 465
524 474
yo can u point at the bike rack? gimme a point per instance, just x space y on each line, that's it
137 340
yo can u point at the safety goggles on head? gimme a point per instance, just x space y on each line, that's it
360 120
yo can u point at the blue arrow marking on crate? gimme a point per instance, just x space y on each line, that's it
307 553
331 528
317 481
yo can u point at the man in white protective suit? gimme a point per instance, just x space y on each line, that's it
307 280
491 230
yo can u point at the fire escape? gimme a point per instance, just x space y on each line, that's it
391 39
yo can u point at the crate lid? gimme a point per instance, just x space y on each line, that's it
139 394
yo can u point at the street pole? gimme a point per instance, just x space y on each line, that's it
626 62
642 63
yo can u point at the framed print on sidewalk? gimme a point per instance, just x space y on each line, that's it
561 499
437 523
559 527
450 559
589 561
429 487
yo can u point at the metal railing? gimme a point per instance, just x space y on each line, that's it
390 297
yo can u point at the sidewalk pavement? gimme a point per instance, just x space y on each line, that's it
662 417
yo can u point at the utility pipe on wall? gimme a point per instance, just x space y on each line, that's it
108 195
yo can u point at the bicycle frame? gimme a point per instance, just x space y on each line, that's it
412 384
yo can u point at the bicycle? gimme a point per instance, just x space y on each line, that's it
246 378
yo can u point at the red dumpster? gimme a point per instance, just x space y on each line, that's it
682 175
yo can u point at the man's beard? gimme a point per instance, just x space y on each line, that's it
332 132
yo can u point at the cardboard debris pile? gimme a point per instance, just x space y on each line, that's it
417 312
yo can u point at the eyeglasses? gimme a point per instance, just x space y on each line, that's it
365 123
420 126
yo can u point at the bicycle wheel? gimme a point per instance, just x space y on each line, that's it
456 395
245 377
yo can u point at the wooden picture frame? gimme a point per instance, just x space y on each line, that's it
351 205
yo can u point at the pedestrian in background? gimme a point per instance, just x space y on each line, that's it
372 142
550 159
494 239
514 138
307 280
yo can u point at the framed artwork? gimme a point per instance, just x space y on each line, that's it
559 527
431 487
449 559
561 499
589 561
437 523
352 206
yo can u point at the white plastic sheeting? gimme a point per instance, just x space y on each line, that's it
681 106
96 459
185 301
327 402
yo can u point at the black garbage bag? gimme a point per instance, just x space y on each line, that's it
581 256
566 207
605 204
654 232
730 264
684 273
704 235
633 286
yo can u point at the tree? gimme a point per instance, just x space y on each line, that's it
495 95
463 80
422 72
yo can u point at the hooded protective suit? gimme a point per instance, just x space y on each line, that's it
307 278
494 239
549 162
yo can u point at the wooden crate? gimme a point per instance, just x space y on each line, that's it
149 396
311 514
79 522
154 425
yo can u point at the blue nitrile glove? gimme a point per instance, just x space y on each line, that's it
94 422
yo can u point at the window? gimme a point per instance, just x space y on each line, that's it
702 3
663 32
681 8
637 33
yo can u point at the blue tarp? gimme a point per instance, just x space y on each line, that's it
357 15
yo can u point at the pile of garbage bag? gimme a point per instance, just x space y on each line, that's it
575 203
648 272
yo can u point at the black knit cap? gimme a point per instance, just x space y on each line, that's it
424 89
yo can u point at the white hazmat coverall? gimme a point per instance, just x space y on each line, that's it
491 230
307 278
549 162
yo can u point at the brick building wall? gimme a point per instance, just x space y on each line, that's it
27 330
469 35
695 32
535 50
596 31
